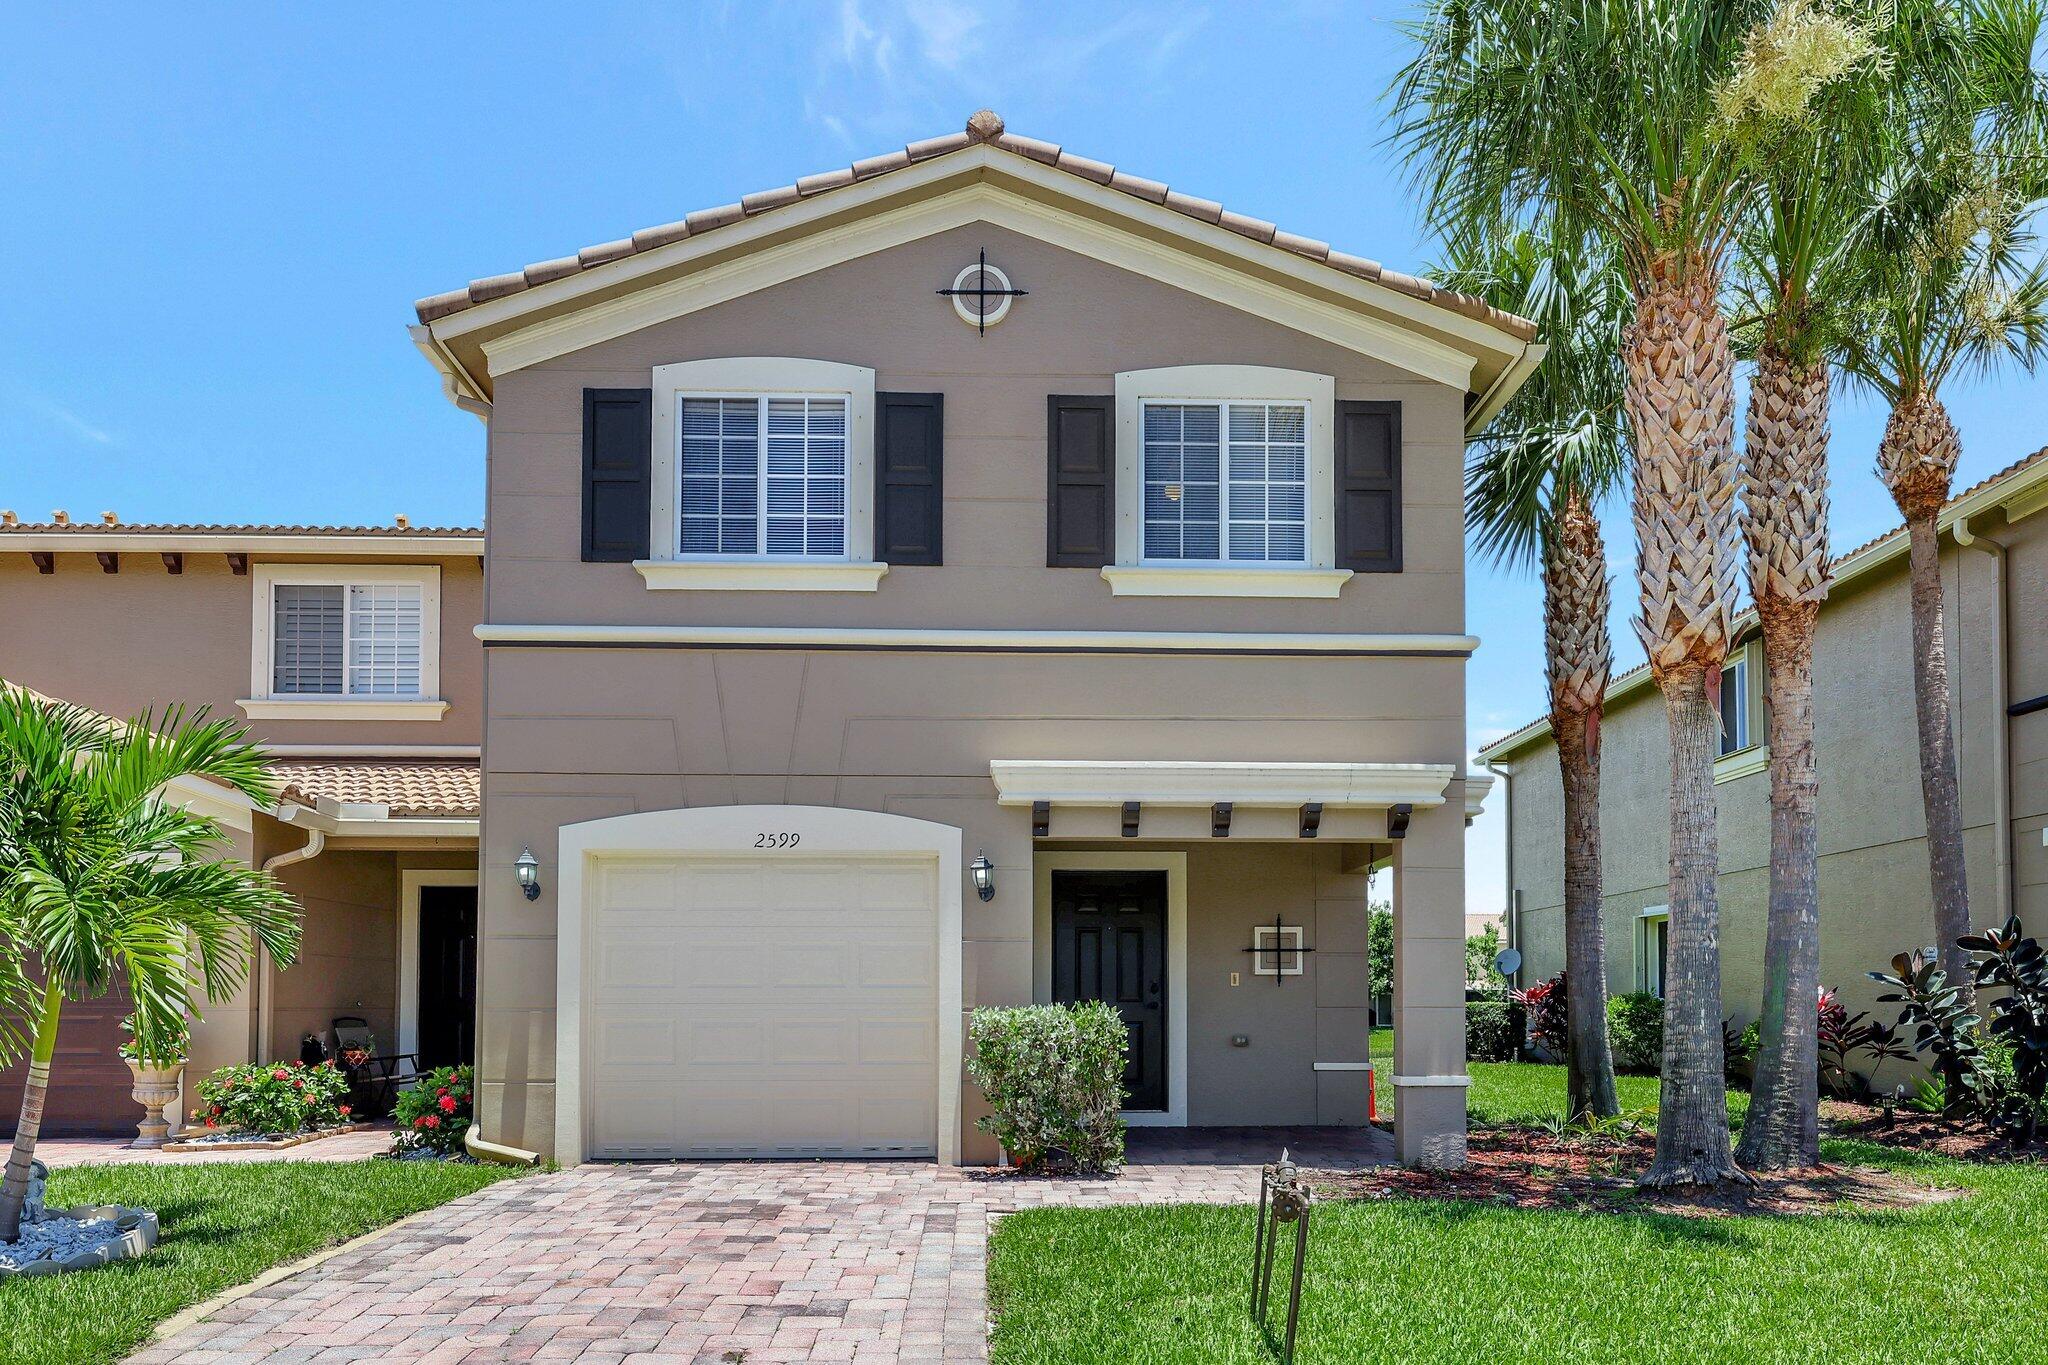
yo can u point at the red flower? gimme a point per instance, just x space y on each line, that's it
209 1123
280 1074
447 1104
300 1062
420 1122
442 1091
215 1111
309 1101
298 1084
345 1111
432 1120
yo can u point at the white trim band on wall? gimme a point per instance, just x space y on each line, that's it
1170 782
1427 1082
1344 1066
988 641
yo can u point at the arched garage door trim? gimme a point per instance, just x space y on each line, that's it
752 832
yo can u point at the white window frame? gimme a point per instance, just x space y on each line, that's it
760 377
1649 969
1133 576
1742 688
265 703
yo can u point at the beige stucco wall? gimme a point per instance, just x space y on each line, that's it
1873 861
575 734
145 638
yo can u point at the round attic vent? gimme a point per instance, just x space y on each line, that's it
982 295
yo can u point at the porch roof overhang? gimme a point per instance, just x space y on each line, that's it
1172 782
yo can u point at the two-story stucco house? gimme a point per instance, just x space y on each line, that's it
973 576
1874 895
350 654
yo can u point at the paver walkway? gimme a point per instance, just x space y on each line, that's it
838 1261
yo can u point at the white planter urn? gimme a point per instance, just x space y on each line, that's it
156 1088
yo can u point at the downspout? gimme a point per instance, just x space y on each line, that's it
288 813
2001 730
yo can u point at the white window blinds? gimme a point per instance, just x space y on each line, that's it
334 639
764 476
1226 482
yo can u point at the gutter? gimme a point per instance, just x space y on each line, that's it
1512 916
2001 728
457 383
1512 378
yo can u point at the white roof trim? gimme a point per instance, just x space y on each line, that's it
1088 782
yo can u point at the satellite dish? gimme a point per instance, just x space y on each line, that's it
1508 961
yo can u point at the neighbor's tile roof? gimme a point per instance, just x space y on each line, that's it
410 787
103 527
1635 677
983 127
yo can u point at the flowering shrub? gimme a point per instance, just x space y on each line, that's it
1053 1075
436 1112
282 1097
166 1050
1545 1003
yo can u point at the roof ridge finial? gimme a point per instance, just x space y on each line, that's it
985 125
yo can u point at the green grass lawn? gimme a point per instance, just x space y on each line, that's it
1411 1280
221 1224
1520 1092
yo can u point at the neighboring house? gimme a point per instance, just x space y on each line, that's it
812 585
350 654
1874 894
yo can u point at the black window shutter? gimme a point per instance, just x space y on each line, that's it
910 430
618 454
1368 492
1080 481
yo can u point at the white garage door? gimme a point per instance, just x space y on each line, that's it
782 1006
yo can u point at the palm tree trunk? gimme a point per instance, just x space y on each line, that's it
1917 459
1589 1070
1786 524
1692 1109
14 1187
1577 660
1783 1127
1680 386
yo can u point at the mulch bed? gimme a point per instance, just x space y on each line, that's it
1527 1168
1920 1133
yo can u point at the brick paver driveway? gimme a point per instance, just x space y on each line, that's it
715 1262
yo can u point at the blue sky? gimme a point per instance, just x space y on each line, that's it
217 218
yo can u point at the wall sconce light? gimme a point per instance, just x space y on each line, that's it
528 868
984 875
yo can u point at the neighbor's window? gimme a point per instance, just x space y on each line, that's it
346 639
1226 482
1735 703
1655 948
764 475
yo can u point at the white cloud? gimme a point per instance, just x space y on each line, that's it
60 416
947 34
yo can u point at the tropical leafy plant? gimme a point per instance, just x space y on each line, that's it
1942 1025
170 1049
1053 1079
2016 966
103 882
1546 1009
1842 1035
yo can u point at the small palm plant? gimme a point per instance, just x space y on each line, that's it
102 880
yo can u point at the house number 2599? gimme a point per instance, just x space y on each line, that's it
781 839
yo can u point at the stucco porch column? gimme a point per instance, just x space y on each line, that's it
1429 986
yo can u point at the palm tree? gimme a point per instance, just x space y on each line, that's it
1602 113
1812 165
101 880
1953 284
1533 485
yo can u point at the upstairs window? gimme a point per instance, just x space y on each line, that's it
1737 705
764 475
359 636
354 639
1225 482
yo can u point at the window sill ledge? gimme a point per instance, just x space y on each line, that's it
1158 580
1742 763
339 708
751 575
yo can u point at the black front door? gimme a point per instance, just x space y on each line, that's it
447 976
1109 943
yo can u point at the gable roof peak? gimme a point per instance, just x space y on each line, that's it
984 125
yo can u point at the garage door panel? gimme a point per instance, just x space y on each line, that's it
767 1007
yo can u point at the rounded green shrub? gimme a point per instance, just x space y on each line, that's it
1053 1079
1635 1032
1490 1031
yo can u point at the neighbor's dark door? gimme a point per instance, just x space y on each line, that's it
447 975
1109 943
